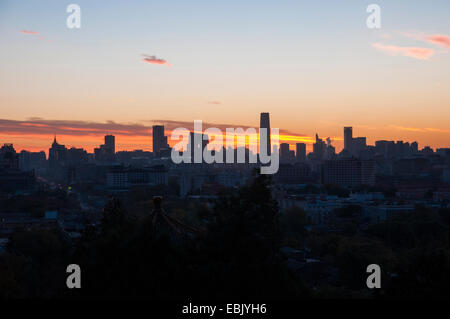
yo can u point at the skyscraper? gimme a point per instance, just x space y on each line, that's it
319 148
300 151
107 151
359 144
196 145
56 154
284 152
265 123
110 144
348 138
8 157
159 140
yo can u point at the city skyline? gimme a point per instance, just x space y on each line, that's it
351 145
314 67
147 141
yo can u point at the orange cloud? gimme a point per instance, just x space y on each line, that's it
43 126
37 133
215 102
35 34
411 129
154 60
438 130
412 52
439 39
28 32
420 129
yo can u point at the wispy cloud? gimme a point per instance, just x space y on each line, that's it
35 34
38 126
439 39
28 32
438 130
215 102
420 129
410 129
436 39
420 53
412 52
37 133
154 60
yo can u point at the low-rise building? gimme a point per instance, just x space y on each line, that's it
124 178
348 172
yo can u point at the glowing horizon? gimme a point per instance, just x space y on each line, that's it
139 136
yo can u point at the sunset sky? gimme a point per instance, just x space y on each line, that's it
314 65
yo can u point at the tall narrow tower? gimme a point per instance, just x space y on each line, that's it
110 143
158 138
300 152
265 123
348 138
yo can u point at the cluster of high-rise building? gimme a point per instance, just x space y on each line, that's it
160 146
357 164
